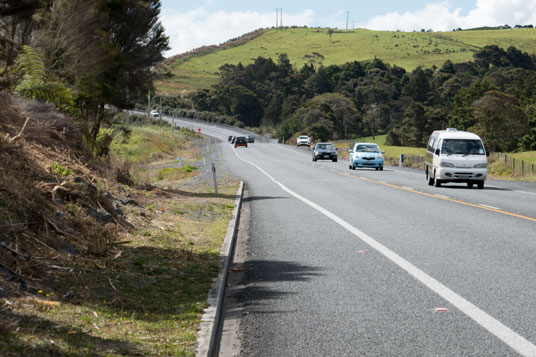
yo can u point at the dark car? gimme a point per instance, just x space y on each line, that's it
251 138
233 139
241 141
230 138
325 151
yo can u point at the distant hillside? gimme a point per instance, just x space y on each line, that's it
198 69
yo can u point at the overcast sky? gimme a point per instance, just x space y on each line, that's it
192 24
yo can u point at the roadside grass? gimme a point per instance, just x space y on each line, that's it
151 153
151 143
147 297
405 49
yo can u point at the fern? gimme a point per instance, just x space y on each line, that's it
34 83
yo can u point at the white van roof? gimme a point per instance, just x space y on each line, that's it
454 134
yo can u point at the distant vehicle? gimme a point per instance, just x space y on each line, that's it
241 141
366 155
155 114
251 138
324 151
233 139
230 138
303 140
456 156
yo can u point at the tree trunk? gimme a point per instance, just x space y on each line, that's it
99 115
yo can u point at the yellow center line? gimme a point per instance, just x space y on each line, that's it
441 198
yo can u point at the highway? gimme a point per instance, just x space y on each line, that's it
336 262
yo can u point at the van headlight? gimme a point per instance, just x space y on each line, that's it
481 166
446 164
356 156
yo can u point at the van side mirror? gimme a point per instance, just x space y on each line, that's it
350 151
487 153
437 152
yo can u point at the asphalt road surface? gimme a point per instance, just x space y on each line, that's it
335 262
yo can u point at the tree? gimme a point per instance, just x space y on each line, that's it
16 25
461 117
245 106
528 141
418 86
136 33
500 122
272 113
33 82
372 119
340 111
412 131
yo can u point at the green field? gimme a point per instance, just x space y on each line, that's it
405 49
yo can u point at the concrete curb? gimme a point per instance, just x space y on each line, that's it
211 320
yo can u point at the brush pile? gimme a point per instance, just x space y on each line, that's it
55 202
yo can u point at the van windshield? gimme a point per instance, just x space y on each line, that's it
462 147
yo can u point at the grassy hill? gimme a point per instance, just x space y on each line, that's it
405 49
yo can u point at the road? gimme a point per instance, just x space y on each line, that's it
337 262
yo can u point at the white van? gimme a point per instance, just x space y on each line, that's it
456 156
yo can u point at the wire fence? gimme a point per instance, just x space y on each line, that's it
518 167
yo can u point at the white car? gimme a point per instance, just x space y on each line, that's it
303 140
154 113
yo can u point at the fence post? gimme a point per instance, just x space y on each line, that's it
514 165
522 167
401 160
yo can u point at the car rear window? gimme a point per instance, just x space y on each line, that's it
325 146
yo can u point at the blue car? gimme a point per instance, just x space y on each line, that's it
366 155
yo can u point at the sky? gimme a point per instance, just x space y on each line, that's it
192 24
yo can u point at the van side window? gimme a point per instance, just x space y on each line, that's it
431 143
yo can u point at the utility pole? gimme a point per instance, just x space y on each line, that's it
278 17
347 13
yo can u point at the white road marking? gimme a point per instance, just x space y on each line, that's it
409 188
441 195
333 170
483 205
528 193
488 322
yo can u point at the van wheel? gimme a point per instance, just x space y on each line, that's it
470 184
429 178
480 185
437 182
